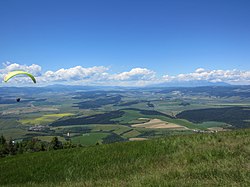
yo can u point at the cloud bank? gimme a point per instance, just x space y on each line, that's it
99 75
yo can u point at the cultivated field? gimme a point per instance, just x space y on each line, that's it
159 124
123 114
45 119
89 138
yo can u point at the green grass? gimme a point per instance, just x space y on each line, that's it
49 138
96 128
121 129
8 124
209 124
117 129
129 116
131 134
89 138
14 133
221 159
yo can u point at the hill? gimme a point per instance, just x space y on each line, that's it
183 160
194 83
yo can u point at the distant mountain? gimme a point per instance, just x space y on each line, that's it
64 87
195 83
55 88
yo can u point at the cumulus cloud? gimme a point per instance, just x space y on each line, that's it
200 70
96 75
76 73
135 74
200 74
34 68
99 75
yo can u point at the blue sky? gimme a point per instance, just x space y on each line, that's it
166 37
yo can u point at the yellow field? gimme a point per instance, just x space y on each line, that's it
159 124
48 118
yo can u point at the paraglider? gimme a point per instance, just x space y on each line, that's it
15 73
18 72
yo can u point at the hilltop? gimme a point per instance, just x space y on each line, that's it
182 160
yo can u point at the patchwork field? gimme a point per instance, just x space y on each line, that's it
159 124
120 114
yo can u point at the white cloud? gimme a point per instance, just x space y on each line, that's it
200 70
228 76
75 73
99 75
34 68
135 74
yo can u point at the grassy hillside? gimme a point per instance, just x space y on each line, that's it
187 160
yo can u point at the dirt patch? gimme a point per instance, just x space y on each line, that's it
137 139
159 124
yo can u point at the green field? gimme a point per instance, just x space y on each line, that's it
209 124
129 116
89 138
131 134
49 138
16 133
117 129
220 159
8 124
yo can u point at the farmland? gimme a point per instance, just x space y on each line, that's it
89 138
158 124
45 119
120 114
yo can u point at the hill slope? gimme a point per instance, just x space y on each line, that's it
188 160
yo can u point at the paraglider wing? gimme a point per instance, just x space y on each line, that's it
14 73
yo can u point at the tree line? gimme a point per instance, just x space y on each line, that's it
34 145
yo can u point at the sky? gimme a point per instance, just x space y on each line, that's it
126 42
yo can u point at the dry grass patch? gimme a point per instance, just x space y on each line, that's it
159 124
137 139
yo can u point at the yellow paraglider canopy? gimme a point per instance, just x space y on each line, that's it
18 72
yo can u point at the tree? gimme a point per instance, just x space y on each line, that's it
2 140
68 145
20 148
55 144
3 147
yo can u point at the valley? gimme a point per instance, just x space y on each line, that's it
107 115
